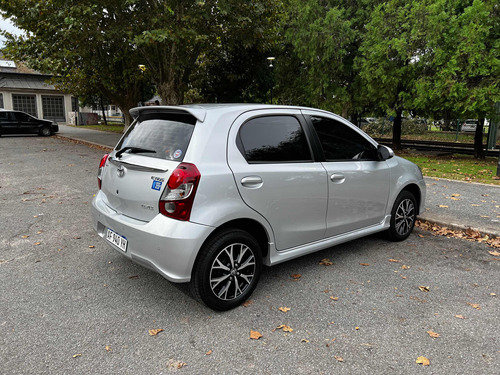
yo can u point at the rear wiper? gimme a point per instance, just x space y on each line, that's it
133 150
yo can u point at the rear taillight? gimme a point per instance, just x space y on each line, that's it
177 198
101 167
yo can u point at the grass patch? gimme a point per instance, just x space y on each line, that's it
455 167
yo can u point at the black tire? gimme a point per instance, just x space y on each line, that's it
227 270
45 131
403 216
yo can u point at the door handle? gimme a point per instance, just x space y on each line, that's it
337 178
252 182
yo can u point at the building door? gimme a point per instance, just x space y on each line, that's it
53 108
24 103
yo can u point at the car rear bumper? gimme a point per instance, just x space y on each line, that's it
164 245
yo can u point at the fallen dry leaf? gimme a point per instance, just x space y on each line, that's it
77 355
423 361
433 334
108 348
154 332
304 340
460 316
443 206
209 352
494 253
364 264
356 328
455 195
284 309
405 267
394 260
424 288
255 335
37 243
334 298
339 358
91 246
493 294
421 235
173 364
247 303
25 236
326 262
475 305
284 327
296 276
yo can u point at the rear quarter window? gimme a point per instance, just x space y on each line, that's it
165 133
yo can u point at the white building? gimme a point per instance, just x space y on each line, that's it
23 89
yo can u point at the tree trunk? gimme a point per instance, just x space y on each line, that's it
396 131
478 140
127 118
103 113
171 92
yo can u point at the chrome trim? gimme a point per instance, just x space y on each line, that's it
136 167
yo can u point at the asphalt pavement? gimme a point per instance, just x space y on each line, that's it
452 204
70 304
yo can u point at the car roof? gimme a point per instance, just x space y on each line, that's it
199 111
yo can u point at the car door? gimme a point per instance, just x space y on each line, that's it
358 183
8 123
272 163
26 123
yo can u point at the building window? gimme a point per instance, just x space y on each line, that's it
24 103
74 104
53 108
1 100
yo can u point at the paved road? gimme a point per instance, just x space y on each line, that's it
65 296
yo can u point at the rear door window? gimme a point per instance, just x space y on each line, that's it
166 134
274 139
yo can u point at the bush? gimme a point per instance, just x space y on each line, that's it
383 128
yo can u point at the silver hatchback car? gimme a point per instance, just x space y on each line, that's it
207 194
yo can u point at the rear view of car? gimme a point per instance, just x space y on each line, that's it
469 125
209 194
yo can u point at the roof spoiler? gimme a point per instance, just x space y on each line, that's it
197 112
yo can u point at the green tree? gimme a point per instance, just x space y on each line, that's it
94 47
83 44
325 36
464 61
391 54
177 37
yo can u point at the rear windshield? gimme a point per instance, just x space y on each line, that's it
165 133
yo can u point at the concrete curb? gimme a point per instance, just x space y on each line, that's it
84 142
460 227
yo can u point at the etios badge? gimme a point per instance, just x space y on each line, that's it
120 171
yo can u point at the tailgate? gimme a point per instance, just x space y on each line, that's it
132 185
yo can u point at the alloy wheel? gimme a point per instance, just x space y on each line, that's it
232 271
405 216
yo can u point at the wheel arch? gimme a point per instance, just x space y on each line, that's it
251 226
415 191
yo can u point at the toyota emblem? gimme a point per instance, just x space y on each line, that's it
120 171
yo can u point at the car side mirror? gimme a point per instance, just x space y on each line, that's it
384 152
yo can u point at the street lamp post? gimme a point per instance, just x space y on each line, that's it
271 66
142 68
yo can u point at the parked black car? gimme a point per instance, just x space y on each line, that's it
15 122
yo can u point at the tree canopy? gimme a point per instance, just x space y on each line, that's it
435 58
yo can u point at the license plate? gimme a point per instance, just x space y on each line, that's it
116 239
